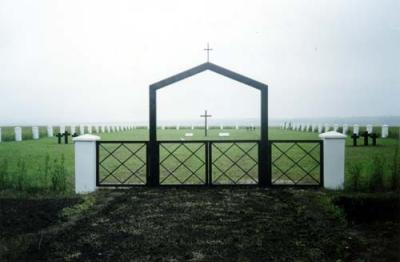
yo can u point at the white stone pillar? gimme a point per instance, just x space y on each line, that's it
356 129
334 145
319 128
385 131
62 129
326 128
35 132
0 134
103 129
345 129
192 127
237 127
73 130
97 129
18 133
177 127
369 129
89 129
85 163
50 132
81 129
221 127
335 127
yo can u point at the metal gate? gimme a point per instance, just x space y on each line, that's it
210 163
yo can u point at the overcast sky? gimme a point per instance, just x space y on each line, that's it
92 61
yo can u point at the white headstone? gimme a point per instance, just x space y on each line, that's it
35 132
50 131
162 127
18 133
369 129
177 127
223 134
192 127
188 134
335 127
356 129
345 129
385 131
221 127
237 127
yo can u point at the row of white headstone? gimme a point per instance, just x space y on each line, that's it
221 127
90 129
325 128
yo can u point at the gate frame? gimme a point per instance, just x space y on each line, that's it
153 174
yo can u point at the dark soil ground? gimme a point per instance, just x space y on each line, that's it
197 225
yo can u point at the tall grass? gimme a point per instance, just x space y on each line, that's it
376 180
4 177
353 180
395 179
49 176
59 176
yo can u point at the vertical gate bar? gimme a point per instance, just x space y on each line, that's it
321 163
270 161
210 163
154 175
147 163
97 164
263 174
206 163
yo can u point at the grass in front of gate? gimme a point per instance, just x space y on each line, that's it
23 164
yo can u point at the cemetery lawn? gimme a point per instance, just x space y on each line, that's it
33 152
199 224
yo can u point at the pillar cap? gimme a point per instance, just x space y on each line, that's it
86 138
332 135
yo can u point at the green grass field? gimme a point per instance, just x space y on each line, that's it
29 157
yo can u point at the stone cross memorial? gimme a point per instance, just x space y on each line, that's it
205 121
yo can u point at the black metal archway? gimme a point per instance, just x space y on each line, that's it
153 148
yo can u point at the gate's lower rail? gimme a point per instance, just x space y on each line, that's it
210 162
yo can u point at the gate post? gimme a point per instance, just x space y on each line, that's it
264 176
85 163
153 174
333 161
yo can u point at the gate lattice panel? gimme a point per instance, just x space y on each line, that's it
121 163
296 162
234 163
183 163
